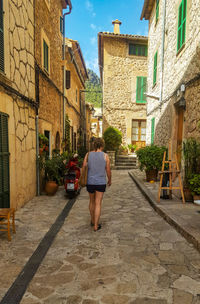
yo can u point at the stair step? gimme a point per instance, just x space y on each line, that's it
125 164
124 168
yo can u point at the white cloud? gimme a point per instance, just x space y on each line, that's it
93 40
93 65
90 8
93 26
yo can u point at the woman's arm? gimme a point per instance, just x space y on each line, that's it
108 170
85 160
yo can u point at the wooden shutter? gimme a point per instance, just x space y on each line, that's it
68 79
155 68
157 10
4 163
138 90
144 89
182 10
141 90
1 38
152 129
46 55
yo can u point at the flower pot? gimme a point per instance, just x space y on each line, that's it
196 199
51 187
187 194
151 175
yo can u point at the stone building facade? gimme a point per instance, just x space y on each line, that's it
17 103
173 110
75 77
123 71
49 69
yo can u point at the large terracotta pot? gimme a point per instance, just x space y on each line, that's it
151 175
187 195
51 187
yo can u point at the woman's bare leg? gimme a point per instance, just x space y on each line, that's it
97 210
92 206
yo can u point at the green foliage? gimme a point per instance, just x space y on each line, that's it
191 154
132 147
93 85
112 138
194 184
150 157
66 141
43 140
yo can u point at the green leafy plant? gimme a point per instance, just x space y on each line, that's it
112 138
132 147
43 141
191 155
194 184
150 157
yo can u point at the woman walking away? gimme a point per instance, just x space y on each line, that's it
98 168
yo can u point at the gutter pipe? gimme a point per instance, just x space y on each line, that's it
162 52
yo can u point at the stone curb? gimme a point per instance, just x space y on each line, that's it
151 199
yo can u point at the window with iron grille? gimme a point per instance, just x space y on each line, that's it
141 90
68 79
155 68
1 38
181 24
4 162
137 49
46 55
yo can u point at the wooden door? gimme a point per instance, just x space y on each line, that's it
4 163
180 133
139 133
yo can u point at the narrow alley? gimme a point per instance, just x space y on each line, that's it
136 258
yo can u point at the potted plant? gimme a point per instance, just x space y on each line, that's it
43 143
51 175
123 150
150 159
191 156
132 147
194 185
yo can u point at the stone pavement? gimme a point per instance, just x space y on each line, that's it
136 258
184 217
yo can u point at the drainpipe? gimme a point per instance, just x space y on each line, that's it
67 13
162 52
37 154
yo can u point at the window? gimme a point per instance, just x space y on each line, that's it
46 56
141 90
68 80
1 38
4 162
138 136
61 25
181 24
152 129
155 68
157 10
137 49
76 95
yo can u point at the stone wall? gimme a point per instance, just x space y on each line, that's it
119 86
178 67
22 147
19 45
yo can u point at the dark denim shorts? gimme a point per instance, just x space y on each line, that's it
93 188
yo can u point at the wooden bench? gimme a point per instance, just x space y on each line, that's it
5 215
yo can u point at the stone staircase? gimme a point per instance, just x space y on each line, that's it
125 162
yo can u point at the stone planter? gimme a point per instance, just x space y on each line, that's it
187 195
111 155
196 199
151 175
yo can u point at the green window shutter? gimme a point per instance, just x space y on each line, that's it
4 163
155 68
137 49
1 38
152 129
141 90
181 24
46 55
157 10
61 25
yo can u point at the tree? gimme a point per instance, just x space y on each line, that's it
93 85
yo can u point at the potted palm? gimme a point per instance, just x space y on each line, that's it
150 159
51 175
194 185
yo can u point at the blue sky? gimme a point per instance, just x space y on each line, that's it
88 17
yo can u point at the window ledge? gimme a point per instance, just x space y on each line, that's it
4 78
141 103
154 85
46 72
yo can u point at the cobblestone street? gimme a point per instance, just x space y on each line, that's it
136 258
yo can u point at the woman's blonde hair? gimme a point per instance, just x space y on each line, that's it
98 143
